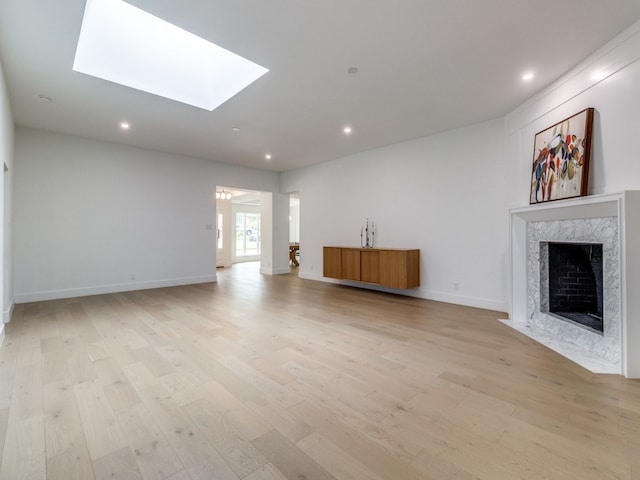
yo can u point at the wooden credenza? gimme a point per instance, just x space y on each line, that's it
394 268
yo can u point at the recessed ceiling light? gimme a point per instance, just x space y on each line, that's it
527 76
347 130
267 156
125 126
123 44
235 129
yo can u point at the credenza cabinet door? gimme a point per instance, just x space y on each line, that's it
370 266
350 264
332 262
400 269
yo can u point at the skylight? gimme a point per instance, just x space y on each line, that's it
123 44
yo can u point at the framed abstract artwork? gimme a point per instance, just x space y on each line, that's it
561 155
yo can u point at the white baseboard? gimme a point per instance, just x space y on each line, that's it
6 315
275 271
316 277
484 303
1 334
102 289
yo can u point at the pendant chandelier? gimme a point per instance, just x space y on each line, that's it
223 195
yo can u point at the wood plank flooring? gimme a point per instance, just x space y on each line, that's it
260 377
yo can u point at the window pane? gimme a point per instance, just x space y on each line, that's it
247 234
252 234
239 234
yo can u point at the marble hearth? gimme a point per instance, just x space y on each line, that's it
612 220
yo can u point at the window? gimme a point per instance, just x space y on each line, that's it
247 234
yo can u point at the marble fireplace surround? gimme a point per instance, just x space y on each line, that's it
610 219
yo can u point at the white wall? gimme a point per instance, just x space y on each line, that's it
94 217
449 194
274 230
608 81
6 158
442 194
90 214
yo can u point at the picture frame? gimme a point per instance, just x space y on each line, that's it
561 159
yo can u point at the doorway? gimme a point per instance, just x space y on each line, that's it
238 226
247 235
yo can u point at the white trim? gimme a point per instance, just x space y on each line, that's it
6 315
475 302
1 334
625 207
102 289
484 303
317 278
274 271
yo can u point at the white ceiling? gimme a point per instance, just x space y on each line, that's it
424 66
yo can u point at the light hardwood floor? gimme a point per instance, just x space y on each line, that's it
260 377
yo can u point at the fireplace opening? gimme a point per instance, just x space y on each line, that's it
575 283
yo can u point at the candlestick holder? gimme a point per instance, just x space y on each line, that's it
367 235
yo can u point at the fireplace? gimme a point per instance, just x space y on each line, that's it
571 239
571 286
610 220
